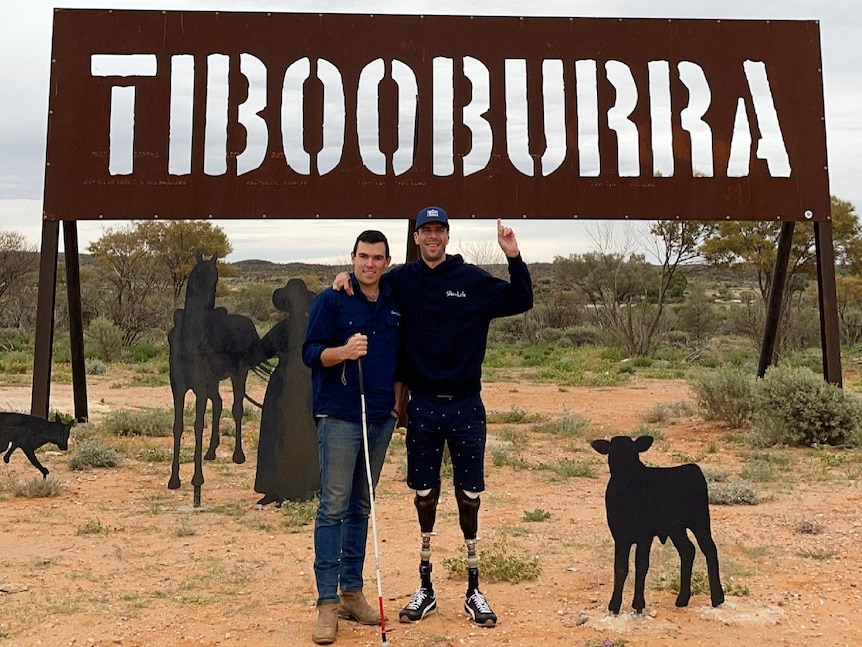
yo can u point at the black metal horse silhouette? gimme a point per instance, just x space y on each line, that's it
208 345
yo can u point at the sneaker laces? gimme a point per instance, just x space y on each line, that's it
478 599
417 599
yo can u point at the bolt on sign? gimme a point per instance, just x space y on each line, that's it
175 114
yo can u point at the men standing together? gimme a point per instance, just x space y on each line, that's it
446 308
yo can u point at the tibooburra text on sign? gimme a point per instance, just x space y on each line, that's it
256 116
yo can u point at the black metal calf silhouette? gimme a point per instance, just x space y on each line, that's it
208 345
645 502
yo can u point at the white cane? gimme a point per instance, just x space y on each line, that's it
383 641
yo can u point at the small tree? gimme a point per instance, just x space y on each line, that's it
142 269
752 247
18 264
697 315
628 295
173 246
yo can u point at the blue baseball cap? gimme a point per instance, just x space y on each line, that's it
432 214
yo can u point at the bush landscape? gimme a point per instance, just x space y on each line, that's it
102 553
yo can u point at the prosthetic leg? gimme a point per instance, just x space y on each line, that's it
475 604
424 601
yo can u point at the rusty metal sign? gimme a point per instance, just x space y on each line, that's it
171 114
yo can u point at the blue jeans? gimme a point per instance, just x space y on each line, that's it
341 526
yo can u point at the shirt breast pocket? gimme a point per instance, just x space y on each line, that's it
393 318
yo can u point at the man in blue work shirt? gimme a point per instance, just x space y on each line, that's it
343 329
447 306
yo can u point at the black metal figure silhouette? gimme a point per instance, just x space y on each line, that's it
208 345
287 462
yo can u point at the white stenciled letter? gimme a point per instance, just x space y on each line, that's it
443 141
480 130
121 153
517 117
405 79
620 76
472 116
293 111
333 116
770 146
368 117
554 101
659 110
182 114
588 117
739 161
517 131
215 132
257 133
291 116
691 117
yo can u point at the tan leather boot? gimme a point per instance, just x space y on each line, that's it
354 606
327 623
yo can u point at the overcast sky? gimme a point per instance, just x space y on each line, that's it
25 48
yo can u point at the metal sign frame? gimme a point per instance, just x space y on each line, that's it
177 114
495 116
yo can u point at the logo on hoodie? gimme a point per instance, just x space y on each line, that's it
458 294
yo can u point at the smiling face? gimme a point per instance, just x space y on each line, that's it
369 261
432 239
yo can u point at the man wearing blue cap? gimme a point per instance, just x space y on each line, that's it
446 309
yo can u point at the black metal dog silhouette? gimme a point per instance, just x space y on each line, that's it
29 433
645 502
208 345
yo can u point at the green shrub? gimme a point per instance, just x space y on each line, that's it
668 411
147 422
105 339
669 581
16 339
735 493
497 565
36 487
569 425
500 457
514 415
91 527
583 335
155 455
144 351
95 367
642 361
299 513
92 453
725 395
567 468
796 407
536 515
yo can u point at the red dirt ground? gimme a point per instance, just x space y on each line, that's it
163 574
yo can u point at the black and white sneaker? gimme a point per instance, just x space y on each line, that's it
421 604
477 607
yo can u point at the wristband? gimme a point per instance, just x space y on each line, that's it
396 412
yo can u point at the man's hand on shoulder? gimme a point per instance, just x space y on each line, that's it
342 282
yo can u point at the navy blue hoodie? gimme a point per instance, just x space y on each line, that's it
445 315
